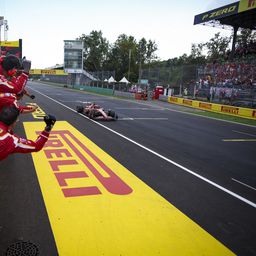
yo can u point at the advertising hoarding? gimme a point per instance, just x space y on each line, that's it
11 47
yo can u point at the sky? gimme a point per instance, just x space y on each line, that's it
44 25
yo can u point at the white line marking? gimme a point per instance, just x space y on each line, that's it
243 183
160 156
150 118
142 118
239 140
153 109
77 101
126 119
245 133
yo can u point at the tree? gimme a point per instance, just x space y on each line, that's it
118 57
142 51
124 56
95 50
217 47
245 37
151 48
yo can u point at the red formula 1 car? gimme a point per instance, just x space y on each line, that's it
96 112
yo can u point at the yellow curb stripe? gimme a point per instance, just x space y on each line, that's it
239 140
97 207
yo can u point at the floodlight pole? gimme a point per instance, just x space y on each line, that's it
1 24
234 42
130 50
139 70
5 30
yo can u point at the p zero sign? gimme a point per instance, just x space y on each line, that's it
218 13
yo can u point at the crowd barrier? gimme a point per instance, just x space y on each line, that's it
213 107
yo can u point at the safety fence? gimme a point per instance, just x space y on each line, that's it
225 83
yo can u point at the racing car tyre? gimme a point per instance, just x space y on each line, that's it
111 113
92 114
79 109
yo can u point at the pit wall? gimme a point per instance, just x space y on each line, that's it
104 91
99 90
213 107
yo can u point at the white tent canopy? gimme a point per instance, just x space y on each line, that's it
111 80
124 80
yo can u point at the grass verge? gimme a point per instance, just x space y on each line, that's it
228 118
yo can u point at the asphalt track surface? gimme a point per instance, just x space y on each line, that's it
191 161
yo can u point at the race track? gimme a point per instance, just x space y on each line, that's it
173 183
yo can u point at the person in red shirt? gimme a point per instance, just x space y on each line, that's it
9 65
11 143
11 99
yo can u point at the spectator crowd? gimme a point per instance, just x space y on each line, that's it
238 75
228 81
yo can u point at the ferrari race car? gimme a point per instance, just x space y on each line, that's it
96 112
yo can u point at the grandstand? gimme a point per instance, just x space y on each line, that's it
241 14
232 82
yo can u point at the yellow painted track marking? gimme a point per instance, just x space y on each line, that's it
97 207
38 113
239 140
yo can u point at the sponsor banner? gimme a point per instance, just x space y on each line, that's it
245 5
187 102
218 13
53 72
97 207
10 43
11 47
204 105
173 99
247 112
47 72
35 72
230 110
